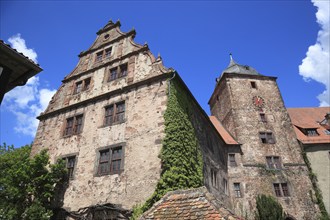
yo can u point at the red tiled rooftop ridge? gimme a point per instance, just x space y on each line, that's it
310 118
222 131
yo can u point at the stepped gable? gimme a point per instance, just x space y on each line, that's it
189 204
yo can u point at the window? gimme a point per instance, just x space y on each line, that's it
70 165
281 189
82 85
108 52
99 56
73 125
118 72
263 117
237 190
114 113
253 85
327 131
232 160
273 162
267 137
311 132
214 180
225 186
110 161
78 87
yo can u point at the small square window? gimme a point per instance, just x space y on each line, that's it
267 137
281 189
253 85
273 162
237 190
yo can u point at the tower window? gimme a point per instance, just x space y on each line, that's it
267 137
232 160
253 85
273 162
237 190
263 117
281 189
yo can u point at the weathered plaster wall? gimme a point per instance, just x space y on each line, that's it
319 158
141 134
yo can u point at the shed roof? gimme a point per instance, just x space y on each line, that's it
222 131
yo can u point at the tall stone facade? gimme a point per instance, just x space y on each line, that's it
269 161
107 122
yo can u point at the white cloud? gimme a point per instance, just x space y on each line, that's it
18 43
315 66
28 101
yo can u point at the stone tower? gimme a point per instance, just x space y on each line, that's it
269 161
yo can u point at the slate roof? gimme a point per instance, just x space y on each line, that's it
310 118
234 67
222 131
189 204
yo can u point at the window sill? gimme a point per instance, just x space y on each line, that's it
115 123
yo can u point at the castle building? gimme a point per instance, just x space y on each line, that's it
120 112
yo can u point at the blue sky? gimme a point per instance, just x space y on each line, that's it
287 39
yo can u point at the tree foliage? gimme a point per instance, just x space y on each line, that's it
27 184
181 157
268 208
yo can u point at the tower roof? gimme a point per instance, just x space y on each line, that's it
234 67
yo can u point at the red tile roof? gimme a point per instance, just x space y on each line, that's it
188 204
222 131
310 118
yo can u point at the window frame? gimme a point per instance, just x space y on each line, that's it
267 137
281 189
237 190
232 159
110 160
117 116
118 72
214 178
99 56
73 125
263 117
273 162
82 85
253 84
71 174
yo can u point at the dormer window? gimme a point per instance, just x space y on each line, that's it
327 131
311 132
